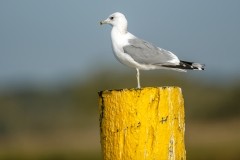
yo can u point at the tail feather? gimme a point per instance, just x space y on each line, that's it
187 65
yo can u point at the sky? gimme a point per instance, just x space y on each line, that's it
45 41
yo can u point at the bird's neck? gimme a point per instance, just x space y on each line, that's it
120 29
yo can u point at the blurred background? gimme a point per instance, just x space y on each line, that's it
55 57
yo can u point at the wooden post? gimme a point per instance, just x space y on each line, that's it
142 124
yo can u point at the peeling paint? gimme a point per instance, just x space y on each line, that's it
143 124
171 146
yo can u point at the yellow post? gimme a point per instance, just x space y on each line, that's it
142 124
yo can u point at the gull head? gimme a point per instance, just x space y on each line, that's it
116 19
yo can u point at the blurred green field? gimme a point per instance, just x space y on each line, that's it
62 124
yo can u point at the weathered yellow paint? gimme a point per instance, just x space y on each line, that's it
142 124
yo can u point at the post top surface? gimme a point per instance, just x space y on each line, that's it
136 89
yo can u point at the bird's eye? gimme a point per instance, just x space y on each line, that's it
111 18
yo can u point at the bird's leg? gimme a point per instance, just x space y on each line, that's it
138 78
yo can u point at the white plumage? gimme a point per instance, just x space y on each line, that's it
136 53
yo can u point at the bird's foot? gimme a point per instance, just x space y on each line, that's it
138 87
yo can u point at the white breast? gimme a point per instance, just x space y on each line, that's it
118 41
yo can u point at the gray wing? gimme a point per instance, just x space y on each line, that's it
145 53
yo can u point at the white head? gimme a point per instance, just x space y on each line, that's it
116 20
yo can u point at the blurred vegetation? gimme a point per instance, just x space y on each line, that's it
63 123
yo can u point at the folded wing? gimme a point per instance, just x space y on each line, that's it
144 52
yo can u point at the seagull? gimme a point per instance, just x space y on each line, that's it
140 54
